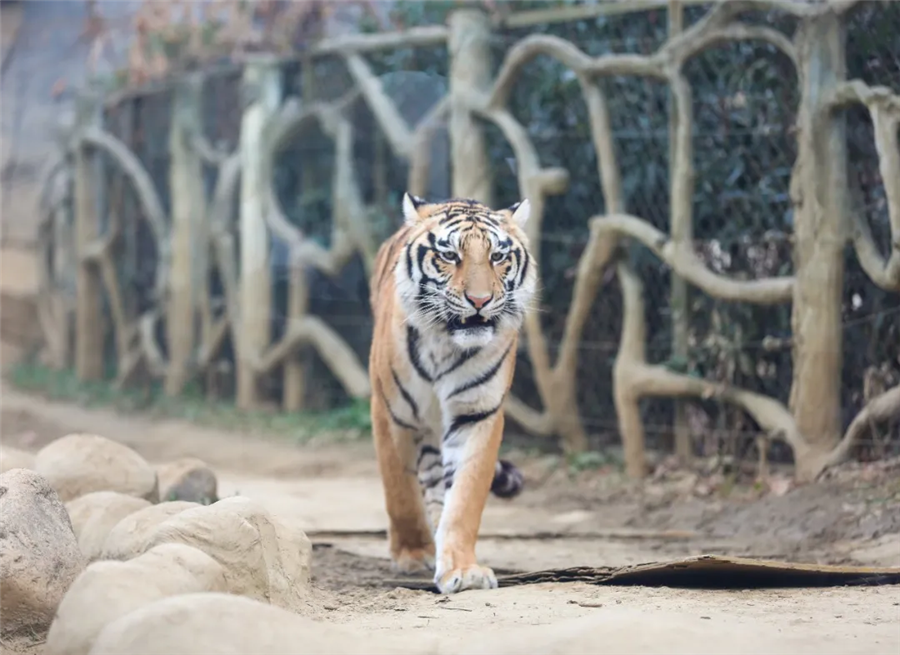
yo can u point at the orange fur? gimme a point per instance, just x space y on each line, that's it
448 293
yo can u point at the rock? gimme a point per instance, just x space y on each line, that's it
221 624
13 458
106 591
263 558
93 515
187 479
39 554
128 537
78 464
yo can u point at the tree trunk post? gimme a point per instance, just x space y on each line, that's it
188 240
470 72
298 365
819 196
89 320
64 277
262 89
682 232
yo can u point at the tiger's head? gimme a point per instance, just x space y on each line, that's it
466 270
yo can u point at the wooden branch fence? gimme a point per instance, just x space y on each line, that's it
198 235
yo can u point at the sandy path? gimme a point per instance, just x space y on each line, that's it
329 488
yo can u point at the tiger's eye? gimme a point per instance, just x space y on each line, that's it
449 256
498 257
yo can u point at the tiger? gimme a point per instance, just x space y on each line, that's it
449 292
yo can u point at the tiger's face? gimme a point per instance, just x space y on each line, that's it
466 271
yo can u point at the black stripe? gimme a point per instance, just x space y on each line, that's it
463 420
429 478
453 220
525 263
427 449
412 348
406 396
462 359
409 262
448 477
487 376
396 419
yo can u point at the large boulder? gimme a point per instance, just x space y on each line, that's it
187 479
106 591
263 558
221 624
39 554
13 458
129 536
95 514
78 464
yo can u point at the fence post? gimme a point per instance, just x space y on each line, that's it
681 229
819 197
89 321
261 89
188 242
470 72
298 364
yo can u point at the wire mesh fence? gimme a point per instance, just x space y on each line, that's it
745 97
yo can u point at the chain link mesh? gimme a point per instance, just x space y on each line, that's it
745 97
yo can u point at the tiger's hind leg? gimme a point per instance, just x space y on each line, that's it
431 478
411 540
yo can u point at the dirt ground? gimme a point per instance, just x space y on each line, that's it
561 520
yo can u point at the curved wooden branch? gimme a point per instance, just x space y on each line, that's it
221 221
207 151
392 123
140 178
539 423
334 351
531 187
352 231
116 304
857 91
555 382
884 107
635 378
883 407
735 32
569 55
420 153
221 218
350 234
712 29
146 193
156 362
288 125
47 190
55 310
415 37
685 263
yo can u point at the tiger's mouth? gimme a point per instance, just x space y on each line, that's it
459 324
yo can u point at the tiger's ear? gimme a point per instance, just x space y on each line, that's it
411 206
520 212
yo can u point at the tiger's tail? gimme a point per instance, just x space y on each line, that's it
508 480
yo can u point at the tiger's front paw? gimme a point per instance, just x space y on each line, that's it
467 577
409 561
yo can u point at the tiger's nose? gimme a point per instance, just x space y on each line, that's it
478 301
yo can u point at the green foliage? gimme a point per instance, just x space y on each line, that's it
592 460
347 423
